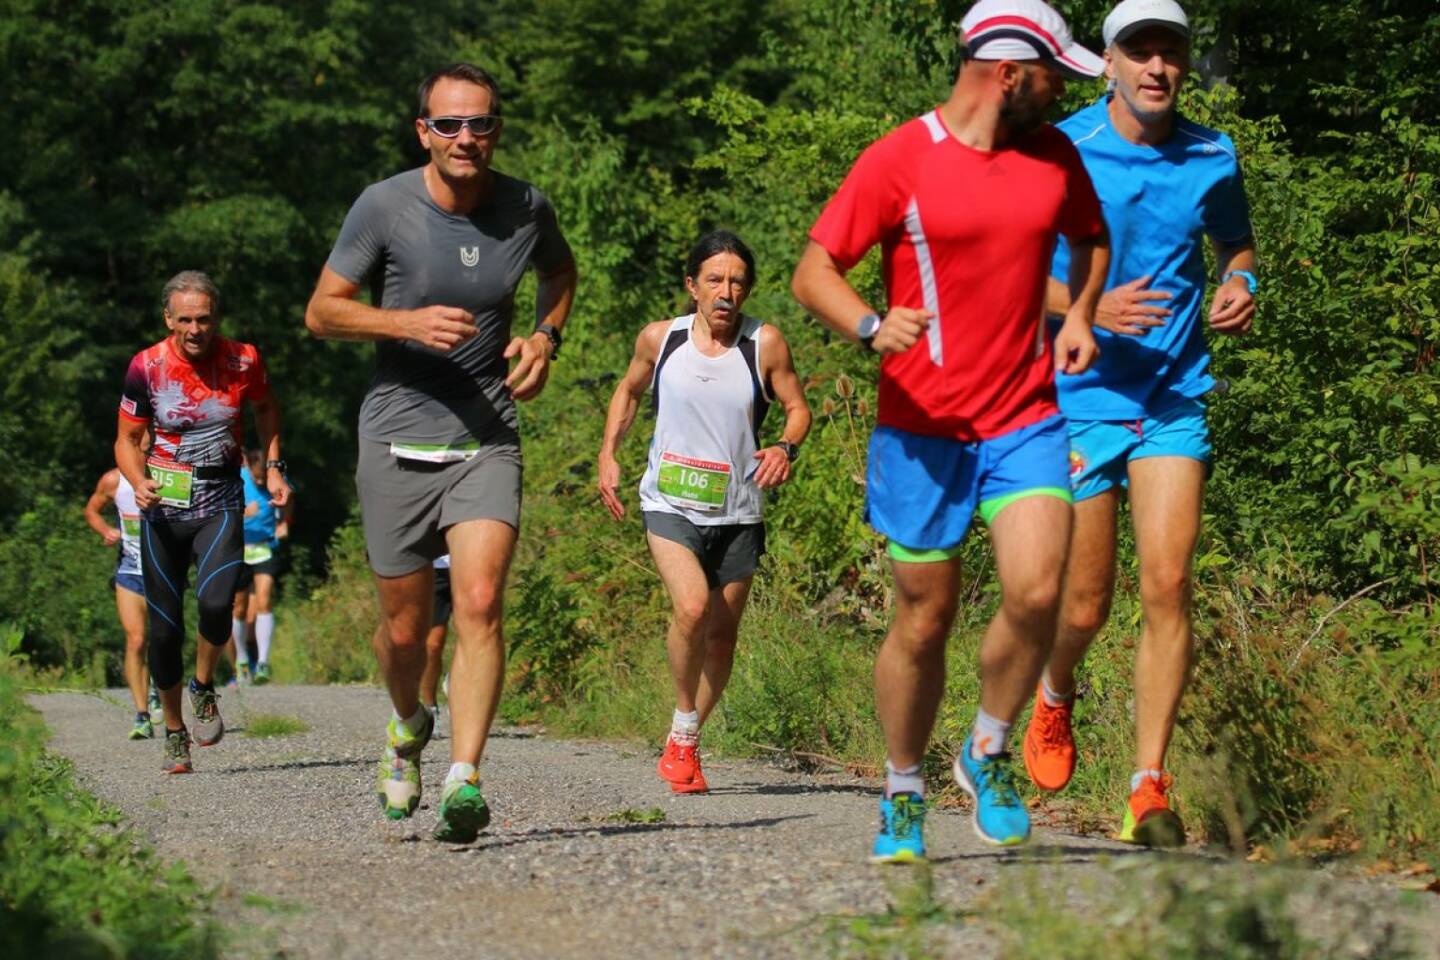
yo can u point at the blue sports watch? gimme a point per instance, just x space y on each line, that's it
1250 280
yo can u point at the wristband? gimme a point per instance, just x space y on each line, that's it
1250 280
554 334
280 465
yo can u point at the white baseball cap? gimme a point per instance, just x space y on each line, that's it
1133 15
1025 30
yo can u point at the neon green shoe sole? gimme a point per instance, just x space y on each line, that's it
143 730
463 813
397 785
1162 828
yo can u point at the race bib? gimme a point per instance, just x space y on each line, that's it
172 479
435 452
130 525
257 553
691 483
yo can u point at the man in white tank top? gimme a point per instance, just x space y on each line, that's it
129 591
714 373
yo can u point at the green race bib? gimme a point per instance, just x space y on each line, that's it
130 525
173 479
257 553
691 483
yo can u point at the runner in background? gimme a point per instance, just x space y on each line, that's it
713 375
129 592
267 531
186 392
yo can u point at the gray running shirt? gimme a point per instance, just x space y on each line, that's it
417 255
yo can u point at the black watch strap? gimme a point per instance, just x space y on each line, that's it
792 450
280 465
553 333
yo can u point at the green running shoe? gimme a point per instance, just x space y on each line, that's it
463 812
262 674
177 752
398 776
397 783
156 708
143 729
209 728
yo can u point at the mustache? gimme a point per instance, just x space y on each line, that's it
725 303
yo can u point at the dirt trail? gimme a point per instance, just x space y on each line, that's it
289 829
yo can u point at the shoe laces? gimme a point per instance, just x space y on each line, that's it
1054 724
906 815
206 704
1151 792
998 777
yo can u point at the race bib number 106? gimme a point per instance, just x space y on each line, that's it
692 483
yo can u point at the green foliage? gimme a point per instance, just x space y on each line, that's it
269 725
1187 911
72 882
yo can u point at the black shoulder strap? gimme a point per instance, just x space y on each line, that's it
761 405
673 342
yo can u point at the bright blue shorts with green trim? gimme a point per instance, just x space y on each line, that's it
922 492
1101 450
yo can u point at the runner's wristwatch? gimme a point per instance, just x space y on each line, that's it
869 326
1246 275
553 333
792 450
280 465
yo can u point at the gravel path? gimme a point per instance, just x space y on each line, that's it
290 831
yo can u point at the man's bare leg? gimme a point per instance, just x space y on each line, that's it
910 668
399 642
434 664
131 608
1031 539
480 552
1089 587
1165 498
690 612
727 606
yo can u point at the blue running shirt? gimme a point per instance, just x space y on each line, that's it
1160 204
259 528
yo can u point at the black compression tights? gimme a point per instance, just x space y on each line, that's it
217 545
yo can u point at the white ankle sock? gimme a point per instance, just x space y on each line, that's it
1140 775
988 736
462 771
264 630
416 723
685 724
1051 697
903 780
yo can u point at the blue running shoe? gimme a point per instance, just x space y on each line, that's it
1000 817
902 830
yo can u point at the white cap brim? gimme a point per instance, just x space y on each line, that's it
1078 62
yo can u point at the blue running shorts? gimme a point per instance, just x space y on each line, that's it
922 492
1100 450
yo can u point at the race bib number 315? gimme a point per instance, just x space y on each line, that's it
692 483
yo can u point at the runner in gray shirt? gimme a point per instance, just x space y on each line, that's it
442 249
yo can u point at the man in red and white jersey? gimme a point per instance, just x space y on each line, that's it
966 203
185 393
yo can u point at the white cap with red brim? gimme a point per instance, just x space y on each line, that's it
1026 30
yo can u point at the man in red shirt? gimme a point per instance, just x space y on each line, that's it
966 203
186 393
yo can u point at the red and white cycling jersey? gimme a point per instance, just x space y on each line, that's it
193 410
966 234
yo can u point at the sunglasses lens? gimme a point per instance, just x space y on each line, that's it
446 126
482 125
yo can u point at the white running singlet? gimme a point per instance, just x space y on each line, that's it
708 412
129 511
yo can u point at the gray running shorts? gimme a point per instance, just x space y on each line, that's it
727 552
407 505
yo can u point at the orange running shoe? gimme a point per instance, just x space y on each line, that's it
1149 821
680 765
1049 745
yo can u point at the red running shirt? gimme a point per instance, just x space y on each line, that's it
194 412
968 235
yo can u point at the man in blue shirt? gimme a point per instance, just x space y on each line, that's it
1137 416
265 529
